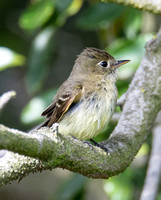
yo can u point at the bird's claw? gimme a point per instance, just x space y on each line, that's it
84 141
89 144
100 146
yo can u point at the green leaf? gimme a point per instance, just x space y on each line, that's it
65 9
38 59
69 6
10 58
31 113
74 7
99 15
36 14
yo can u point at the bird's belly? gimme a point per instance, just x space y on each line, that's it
88 118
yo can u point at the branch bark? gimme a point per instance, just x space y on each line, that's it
154 168
143 102
150 5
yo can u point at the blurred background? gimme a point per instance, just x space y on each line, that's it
39 41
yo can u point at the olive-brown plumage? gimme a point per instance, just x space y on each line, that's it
86 101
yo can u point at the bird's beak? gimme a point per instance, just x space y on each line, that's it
119 63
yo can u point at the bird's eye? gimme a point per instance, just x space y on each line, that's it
103 64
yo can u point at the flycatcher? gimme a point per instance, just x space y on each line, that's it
86 101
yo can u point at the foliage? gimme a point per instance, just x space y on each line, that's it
10 58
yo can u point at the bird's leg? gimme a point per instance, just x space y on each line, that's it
74 137
100 146
89 144
95 143
86 142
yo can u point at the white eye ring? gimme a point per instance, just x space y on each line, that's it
104 64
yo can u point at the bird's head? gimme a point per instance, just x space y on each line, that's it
96 61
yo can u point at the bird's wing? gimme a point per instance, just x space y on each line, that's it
61 104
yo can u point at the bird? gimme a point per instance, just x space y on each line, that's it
86 101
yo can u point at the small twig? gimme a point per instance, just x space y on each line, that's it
121 101
116 117
6 97
3 101
154 169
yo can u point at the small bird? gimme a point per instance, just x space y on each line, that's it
85 102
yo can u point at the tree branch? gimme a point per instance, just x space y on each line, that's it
150 5
154 169
6 97
15 167
143 102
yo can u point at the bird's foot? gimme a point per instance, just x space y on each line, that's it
100 146
89 144
95 143
84 141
